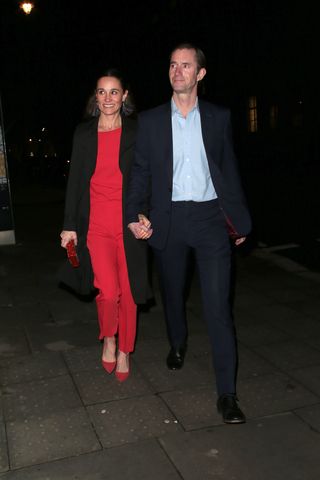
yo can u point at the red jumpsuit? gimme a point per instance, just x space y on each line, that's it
116 308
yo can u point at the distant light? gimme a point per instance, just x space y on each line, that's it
26 7
30 139
43 129
300 102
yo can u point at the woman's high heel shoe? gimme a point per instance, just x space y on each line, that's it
109 366
122 376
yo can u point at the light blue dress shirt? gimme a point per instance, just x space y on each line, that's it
191 175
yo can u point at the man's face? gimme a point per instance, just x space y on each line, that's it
183 72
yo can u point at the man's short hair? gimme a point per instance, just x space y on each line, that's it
200 56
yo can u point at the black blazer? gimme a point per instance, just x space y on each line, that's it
152 172
77 209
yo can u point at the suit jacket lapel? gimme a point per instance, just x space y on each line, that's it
92 146
127 139
207 126
165 137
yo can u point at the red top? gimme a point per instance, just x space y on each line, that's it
106 182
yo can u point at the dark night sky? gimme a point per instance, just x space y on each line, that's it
51 58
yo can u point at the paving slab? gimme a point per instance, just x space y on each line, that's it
28 295
313 341
32 367
288 295
27 314
161 379
274 448
10 318
309 377
250 364
6 298
29 400
142 460
310 308
153 349
273 314
198 345
292 280
310 415
289 355
61 337
306 328
259 396
151 359
195 408
196 323
158 349
254 335
97 386
13 342
268 277
73 311
84 358
271 394
37 291
151 325
4 463
252 303
131 420
49 437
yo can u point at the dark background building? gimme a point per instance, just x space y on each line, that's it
261 63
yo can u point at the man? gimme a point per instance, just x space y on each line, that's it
185 179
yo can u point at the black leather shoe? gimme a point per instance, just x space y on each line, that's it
175 358
228 407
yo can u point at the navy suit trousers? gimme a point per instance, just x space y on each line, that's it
200 227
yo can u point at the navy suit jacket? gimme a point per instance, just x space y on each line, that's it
150 182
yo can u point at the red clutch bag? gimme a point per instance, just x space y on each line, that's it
72 254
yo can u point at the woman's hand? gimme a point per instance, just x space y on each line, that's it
66 236
141 230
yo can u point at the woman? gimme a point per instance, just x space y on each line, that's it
100 165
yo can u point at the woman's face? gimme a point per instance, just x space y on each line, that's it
110 95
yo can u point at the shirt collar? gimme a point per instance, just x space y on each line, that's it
175 110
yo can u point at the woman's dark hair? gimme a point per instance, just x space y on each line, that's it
128 107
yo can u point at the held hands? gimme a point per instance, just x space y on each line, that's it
141 230
66 236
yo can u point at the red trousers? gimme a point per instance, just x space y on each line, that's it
117 311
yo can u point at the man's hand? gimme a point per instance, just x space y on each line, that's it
141 230
240 240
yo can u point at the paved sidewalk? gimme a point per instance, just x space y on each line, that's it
62 417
